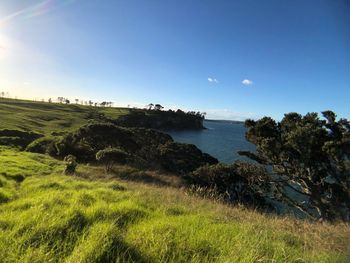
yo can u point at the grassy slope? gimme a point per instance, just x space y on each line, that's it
50 217
45 117
45 216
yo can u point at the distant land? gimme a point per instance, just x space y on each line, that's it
226 121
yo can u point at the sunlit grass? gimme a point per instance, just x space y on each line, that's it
45 118
49 217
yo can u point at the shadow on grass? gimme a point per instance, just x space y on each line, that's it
123 251
147 177
131 174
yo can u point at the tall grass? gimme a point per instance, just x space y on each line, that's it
49 217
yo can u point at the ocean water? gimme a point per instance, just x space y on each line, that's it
221 140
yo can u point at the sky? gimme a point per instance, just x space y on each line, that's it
232 59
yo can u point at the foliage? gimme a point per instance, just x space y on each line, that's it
110 156
93 137
146 148
17 137
158 119
55 218
308 155
43 145
71 164
182 158
242 183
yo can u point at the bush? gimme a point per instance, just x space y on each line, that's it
71 164
43 145
110 156
89 139
183 158
17 138
146 148
243 183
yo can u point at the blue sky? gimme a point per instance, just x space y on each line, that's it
232 59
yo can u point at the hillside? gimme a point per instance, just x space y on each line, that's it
46 216
132 214
46 118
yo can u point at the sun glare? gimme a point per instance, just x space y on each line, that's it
3 46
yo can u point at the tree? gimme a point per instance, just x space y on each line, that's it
110 156
158 107
150 106
76 101
310 157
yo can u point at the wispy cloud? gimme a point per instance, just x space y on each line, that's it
247 82
213 80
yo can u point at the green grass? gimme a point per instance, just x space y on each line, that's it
42 117
49 217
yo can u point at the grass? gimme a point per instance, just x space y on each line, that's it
49 217
45 118
132 215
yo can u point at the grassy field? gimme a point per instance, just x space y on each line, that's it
45 118
48 217
132 215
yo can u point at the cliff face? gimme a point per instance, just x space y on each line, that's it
162 120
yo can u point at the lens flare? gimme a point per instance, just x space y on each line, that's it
42 8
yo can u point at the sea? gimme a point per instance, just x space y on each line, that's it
221 139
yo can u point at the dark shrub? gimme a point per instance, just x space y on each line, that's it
17 138
71 164
164 120
244 183
43 145
110 156
89 139
183 158
146 148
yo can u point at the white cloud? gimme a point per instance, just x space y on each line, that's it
213 80
247 82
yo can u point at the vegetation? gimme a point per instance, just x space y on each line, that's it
309 156
182 158
145 148
239 183
110 156
71 164
17 138
51 217
162 120
50 119
137 212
